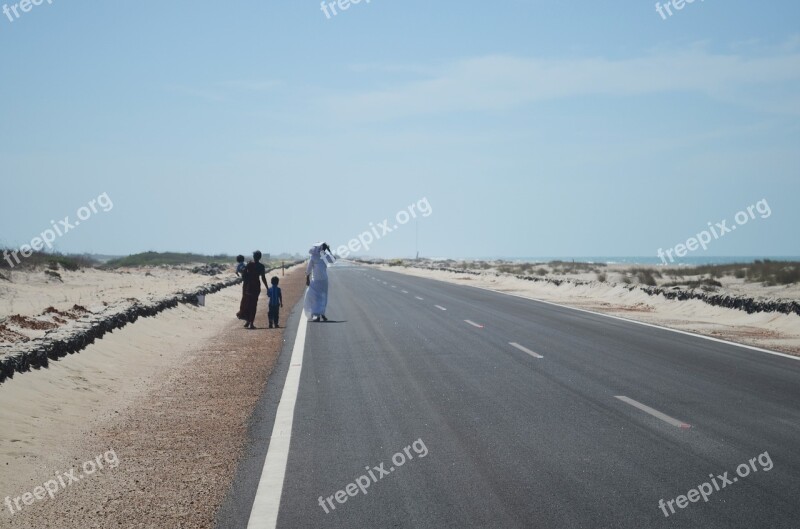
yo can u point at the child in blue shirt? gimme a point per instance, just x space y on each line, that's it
275 302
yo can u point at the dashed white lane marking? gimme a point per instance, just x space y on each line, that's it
419 298
404 291
264 514
440 307
393 286
474 324
655 413
525 350
687 333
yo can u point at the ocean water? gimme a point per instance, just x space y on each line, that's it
654 260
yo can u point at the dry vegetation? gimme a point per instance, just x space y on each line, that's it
766 272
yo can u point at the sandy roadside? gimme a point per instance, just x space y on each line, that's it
774 331
170 395
32 291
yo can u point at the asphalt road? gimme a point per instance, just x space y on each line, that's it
515 413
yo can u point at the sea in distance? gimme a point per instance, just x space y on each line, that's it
649 260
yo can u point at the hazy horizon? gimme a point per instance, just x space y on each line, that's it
620 259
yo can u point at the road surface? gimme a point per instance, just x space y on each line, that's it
508 412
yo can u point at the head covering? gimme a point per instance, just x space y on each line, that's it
316 252
316 249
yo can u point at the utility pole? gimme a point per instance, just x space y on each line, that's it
416 225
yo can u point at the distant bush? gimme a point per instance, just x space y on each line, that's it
705 284
646 276
51 261
166 258
765 271
54 275
601 277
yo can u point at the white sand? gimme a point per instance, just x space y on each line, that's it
40 409
29 293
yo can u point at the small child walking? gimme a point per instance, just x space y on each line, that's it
275 302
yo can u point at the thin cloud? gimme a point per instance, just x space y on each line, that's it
502 82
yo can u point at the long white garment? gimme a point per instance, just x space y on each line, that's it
316 298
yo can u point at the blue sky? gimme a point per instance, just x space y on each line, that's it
532 128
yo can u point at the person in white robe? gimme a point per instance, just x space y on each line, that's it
316 298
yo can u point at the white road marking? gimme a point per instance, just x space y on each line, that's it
474 324
440 307
654 413
419 298
264 514
404 291
687 333
394 286
525 350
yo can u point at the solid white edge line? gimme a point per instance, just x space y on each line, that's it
440 307
655 413
687 333
525 350
264 514
474 324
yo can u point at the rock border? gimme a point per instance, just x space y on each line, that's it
38 353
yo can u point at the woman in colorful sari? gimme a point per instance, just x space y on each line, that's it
316 299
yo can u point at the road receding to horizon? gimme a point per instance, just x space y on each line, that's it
426 404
